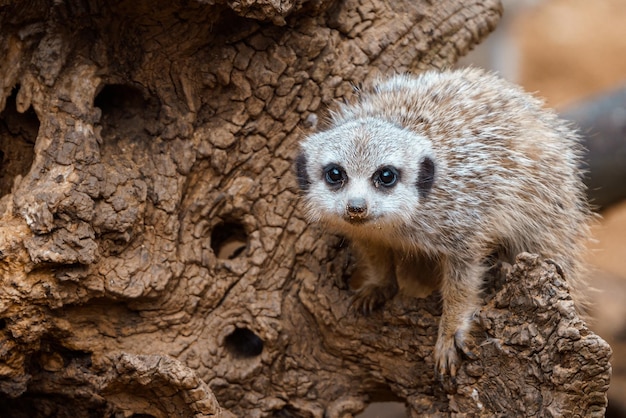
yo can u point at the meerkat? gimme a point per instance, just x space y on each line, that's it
446 169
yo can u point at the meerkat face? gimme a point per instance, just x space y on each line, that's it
365 172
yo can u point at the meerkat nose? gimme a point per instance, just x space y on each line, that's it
357 208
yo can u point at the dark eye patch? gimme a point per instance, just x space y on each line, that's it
301 175
426 177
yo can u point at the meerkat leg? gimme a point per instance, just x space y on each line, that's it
379 281
460 293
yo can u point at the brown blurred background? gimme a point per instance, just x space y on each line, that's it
571 52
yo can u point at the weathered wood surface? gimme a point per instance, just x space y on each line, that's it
153 256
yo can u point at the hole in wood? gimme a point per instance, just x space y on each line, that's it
384 409
286 412
243 343
18 132
126 112
229 240
118 97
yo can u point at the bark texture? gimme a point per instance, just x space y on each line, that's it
154 259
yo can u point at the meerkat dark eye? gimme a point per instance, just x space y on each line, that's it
386 177
335 175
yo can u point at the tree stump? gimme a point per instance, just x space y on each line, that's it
154 258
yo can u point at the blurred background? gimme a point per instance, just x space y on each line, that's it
573 54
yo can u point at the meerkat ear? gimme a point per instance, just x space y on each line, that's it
426 177
301 174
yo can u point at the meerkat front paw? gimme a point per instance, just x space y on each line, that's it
370 298
447 359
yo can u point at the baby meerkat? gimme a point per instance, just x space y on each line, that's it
449 167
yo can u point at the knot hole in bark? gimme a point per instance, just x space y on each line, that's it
18 133
229 240
126 110
243 343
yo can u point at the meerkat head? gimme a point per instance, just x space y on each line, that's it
365 172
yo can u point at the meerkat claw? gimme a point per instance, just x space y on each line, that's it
368 300
464 348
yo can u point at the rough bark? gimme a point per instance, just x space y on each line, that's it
155 260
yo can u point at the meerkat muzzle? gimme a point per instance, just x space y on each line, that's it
356 210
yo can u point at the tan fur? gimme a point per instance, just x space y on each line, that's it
506 180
